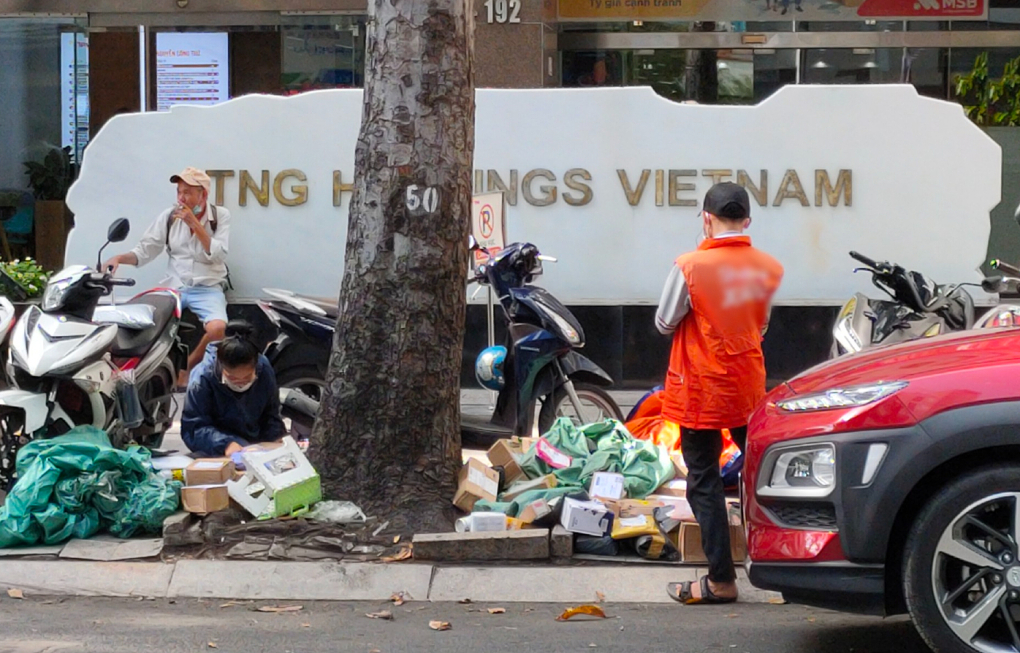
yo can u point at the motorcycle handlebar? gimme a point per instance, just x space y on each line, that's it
864 259
1005 267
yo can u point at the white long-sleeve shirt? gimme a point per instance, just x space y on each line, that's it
189 265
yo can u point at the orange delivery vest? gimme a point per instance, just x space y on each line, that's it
716 371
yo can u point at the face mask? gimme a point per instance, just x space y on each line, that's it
238 388
198 210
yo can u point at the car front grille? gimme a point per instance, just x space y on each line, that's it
813 516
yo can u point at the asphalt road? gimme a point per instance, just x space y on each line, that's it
38 624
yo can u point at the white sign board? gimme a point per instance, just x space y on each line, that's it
488 224
191 68
609 181
74 92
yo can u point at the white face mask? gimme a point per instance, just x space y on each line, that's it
238 388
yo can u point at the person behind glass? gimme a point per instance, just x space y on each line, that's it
233 400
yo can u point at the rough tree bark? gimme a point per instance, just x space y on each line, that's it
388 433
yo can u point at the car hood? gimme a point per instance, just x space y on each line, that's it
912 360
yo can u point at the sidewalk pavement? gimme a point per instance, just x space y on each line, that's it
355 581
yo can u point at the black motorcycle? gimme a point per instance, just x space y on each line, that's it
538 374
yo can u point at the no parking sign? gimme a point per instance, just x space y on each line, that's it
488 224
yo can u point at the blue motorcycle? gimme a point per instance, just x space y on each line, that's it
538 373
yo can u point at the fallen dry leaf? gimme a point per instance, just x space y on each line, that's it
497 610
306 625
464 601
398 599
396 538
777 601
590 610
230 604
284 608
15 594
440 625
375 650
731 616
212 645
593 646
600 597
405 553
385 615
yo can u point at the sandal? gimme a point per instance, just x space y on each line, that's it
681 592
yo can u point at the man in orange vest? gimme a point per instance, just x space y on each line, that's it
716 305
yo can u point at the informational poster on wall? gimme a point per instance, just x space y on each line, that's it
74 92
191 69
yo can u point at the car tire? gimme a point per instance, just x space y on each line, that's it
934 565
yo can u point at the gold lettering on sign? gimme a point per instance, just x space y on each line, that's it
717 175
633 195
550 191
790 188
571 180
660 187
495 183
675 188
219 176
300 191
844 187
760 193
261 192
339 188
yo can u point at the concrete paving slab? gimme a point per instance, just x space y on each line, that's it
308 581
22 551
69 577
557 584
111 549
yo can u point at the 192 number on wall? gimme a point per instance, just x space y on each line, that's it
503 11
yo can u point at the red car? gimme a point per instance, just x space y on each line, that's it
889 481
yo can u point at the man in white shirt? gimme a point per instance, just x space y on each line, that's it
195 235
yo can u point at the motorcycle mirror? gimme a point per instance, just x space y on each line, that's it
472 243
119 230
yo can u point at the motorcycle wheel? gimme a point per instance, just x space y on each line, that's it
305 378
596 404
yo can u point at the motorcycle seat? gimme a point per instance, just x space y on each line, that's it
136 343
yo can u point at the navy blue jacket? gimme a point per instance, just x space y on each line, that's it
214 415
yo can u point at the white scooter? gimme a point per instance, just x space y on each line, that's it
74 362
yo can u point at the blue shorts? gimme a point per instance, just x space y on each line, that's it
207 302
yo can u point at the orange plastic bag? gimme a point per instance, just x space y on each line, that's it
647 423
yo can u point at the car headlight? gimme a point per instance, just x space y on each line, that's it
53 298
852 397
808 471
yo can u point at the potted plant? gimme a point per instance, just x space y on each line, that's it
50 180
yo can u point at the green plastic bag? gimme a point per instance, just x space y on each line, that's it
77 485
604 446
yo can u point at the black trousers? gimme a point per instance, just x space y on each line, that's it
701 449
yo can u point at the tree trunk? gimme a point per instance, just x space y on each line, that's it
388 433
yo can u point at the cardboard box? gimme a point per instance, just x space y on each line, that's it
477 481
505 454
517 489
674 488
679 508
534 510
688 542
607 485
627 508
586 517
209 471
679 466
525 443
204 499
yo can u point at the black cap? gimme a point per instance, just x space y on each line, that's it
728 201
